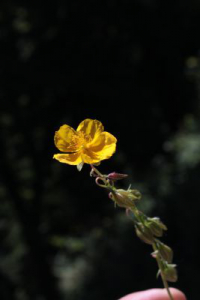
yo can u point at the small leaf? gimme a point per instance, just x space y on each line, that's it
80 166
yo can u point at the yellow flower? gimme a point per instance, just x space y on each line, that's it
88 144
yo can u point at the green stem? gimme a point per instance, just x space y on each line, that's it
165 283
139 217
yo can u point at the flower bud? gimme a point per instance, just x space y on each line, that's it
121 200
135 194
144 234
170 273
159 222
165 251
116 176
130 193
125 198
156 226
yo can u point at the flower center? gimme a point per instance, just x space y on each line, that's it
81 140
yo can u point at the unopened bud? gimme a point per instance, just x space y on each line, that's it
144 234
130 193
121 200
156 226
159 222
125 198
165 251
116 176
135 194
170 273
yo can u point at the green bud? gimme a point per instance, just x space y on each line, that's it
121 200
156 226
125 198
144 234
165 251
170 273
155 229
130 193
134 194
159 223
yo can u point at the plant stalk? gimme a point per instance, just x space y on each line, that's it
140 219
165 283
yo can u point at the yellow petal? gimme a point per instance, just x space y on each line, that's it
104 145
70 159
66 139
89 157
102 148
91 128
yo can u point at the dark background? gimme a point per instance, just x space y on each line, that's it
133 65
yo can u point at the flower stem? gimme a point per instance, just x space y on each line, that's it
96 171
165 283
102 177
139 219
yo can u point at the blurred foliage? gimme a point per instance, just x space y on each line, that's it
135 66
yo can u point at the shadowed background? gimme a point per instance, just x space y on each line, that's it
133 65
